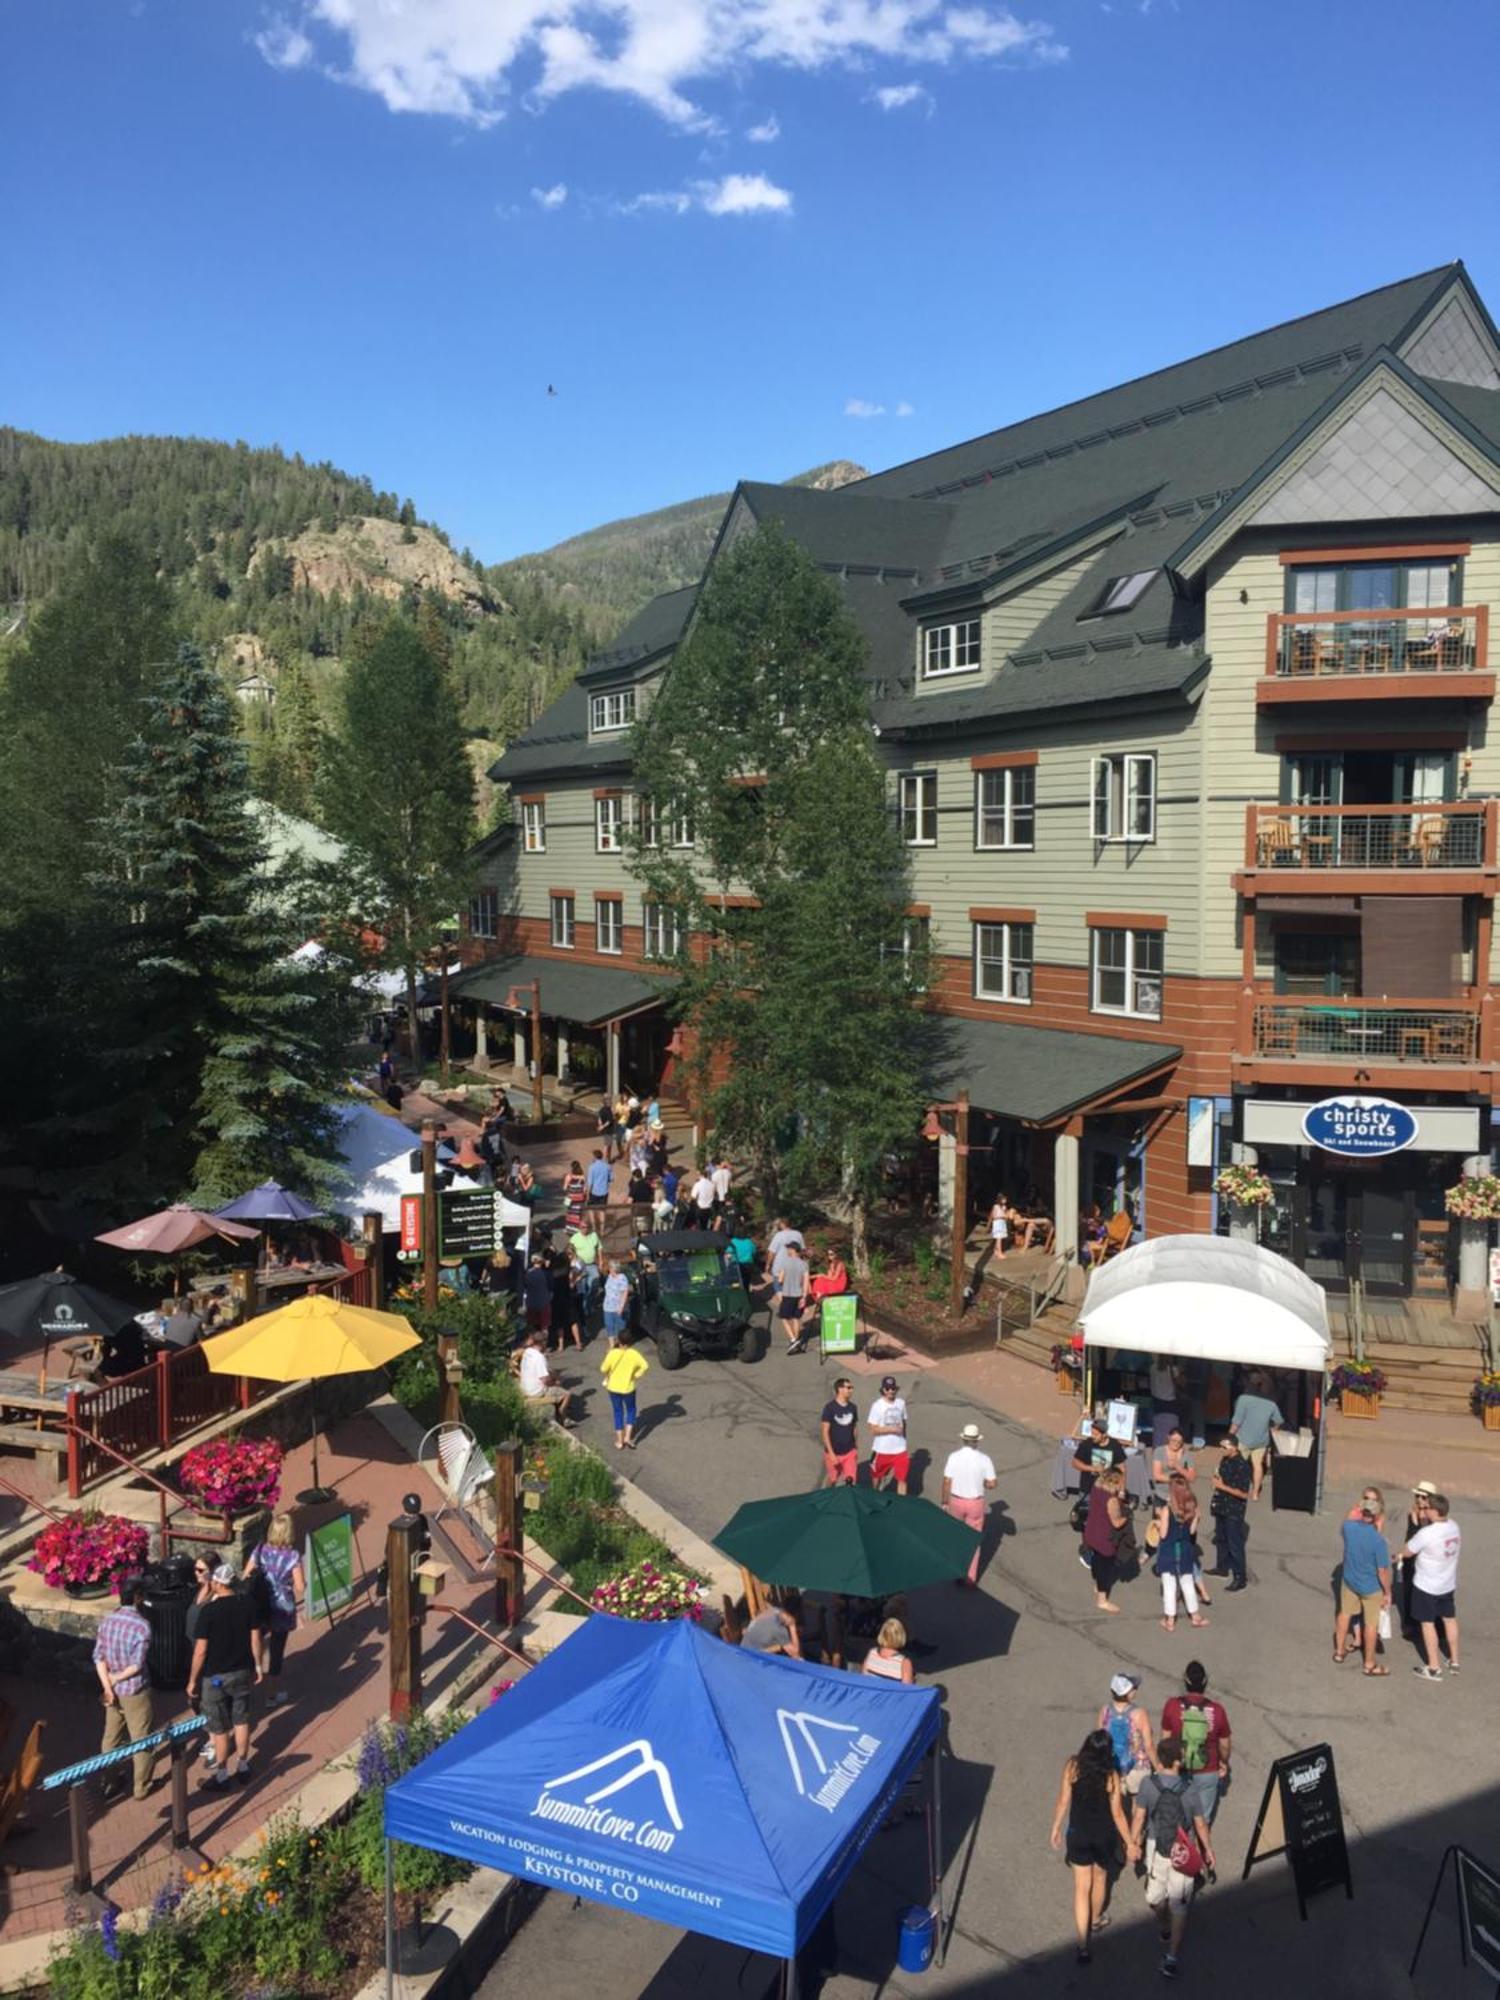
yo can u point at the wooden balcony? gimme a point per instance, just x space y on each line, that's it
1408 850
1356 1043
1419 654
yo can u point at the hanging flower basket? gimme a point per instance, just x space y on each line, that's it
1486 1399
1474 1198
1244 1187
89 1553
231 1475
651 1593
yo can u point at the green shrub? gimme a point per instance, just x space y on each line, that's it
484 1328
387 1751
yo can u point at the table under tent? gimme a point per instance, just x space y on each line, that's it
1227 1303
655 1769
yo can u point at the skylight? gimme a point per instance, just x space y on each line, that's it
1120 593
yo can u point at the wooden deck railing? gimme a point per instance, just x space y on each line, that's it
1420 836
1430 639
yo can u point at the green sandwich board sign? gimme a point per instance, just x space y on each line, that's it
329 1566
838 1325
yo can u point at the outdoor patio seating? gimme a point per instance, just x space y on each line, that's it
20 1779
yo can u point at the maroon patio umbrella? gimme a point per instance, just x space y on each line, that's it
173 1230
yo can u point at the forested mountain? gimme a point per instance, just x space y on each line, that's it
608 573
277 567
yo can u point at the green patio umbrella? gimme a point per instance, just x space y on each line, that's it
850 1539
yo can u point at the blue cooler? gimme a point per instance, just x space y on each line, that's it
918 1929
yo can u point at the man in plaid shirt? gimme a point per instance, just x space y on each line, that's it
120 1662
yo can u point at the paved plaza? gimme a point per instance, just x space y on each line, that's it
1024 1666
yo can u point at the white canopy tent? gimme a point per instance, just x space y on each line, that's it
1214 1299
376 1150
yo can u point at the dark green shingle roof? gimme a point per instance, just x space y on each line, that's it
1040 1073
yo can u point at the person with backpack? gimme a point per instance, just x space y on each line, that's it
1128 1728
1202 1726
1179 1850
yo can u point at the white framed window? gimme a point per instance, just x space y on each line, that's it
612 711
484 914
950 649
682 831
1127 973
1005 807
1124 801
609 924
609 825
1003 962
534 826
661 929
662 829
918 792
648 819
563 925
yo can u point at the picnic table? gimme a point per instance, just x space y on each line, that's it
24 1407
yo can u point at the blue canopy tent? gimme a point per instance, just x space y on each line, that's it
656 1769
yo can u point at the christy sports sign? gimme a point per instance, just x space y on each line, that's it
1360 1128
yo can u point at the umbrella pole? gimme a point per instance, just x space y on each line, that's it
937 1846
317 1491
390 1924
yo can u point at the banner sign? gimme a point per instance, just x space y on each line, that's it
1300 1816
328 1566
1359 1128
838 1325
411 1225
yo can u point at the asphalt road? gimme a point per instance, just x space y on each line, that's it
1024 1665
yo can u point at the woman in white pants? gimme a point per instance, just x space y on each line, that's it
1176 1556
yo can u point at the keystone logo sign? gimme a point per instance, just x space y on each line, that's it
825 1763
1361 1128
636 1764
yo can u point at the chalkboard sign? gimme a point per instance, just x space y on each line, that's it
1478 1889
469 1222
1300 1816
838 1325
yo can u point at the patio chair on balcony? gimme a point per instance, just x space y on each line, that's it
1452 1039
1428 838
1275 844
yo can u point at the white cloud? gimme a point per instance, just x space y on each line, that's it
905 409
766 133
858 407
283 46
744 194
552 197
735 194
467 58
897 96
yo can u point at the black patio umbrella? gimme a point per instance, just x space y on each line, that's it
54 1305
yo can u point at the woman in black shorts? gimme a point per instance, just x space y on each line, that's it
1091 1806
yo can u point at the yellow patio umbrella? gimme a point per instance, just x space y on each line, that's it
313 1337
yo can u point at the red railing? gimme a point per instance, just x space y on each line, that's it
149 1410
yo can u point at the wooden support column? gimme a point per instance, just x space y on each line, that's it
958 1275
372 1228
510 1571
404 1605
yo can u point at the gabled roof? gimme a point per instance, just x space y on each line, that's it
655 628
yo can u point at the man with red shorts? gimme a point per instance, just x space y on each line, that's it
840 1426
890 1458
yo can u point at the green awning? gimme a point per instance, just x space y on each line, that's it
587 996
1038 1074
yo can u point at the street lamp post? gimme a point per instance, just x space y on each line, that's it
958 1276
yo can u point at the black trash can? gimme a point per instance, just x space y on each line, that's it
1294 1484
170 1590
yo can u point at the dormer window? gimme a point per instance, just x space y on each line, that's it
608 712
950 649
1120 593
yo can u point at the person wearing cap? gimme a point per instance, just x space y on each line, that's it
1097 1452
228 1663
967 1477
889 1457
1129 1730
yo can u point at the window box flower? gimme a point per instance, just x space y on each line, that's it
89 1552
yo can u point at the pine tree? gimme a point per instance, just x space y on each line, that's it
299 739
222 1048
398 790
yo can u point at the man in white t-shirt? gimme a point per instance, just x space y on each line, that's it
703 1198
722 1177
538 1383
1434 1549
967 1477
889 1457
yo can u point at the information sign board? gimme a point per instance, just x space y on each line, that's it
329 1566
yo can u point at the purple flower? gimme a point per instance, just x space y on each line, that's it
109 1923
374 1765
164 1902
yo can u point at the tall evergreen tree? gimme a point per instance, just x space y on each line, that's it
222 1048
398 790
70 701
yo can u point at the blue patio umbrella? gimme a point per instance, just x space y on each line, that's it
270 1202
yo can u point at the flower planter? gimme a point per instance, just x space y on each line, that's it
1356 1403
1490 1412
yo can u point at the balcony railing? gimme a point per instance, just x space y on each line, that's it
1427 838
1309 645
1381 1031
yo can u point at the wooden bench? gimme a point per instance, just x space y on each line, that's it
41 1443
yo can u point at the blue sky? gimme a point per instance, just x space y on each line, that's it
374 231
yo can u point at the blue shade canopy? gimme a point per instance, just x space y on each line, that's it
270 1202
656 1769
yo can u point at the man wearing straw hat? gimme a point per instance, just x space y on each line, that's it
967 1477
